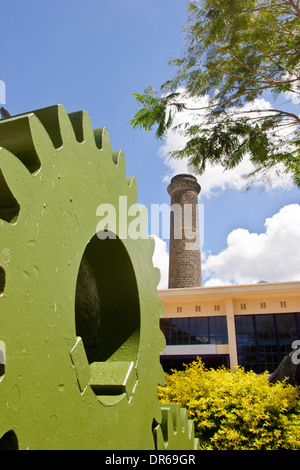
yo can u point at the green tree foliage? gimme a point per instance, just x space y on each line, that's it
236 410
235 51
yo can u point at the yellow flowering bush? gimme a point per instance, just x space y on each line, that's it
236 410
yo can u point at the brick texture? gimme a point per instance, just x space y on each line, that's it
185 255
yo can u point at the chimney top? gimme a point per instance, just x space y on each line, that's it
183 182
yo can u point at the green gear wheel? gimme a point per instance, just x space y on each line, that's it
79 315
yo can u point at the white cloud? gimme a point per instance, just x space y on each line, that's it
215 178
161 261
272 256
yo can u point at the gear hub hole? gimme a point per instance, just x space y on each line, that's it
107 311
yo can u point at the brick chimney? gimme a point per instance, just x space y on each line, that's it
185 255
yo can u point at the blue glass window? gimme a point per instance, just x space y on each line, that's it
263 340
195 330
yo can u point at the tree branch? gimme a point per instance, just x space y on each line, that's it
295 7
233 98
247 67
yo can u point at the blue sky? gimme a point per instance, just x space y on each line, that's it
93 55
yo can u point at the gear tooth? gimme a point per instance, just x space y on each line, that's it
151 244
188 427
102 139
157 275
132 184
161 374
42 143
119 160
82 126
16 137
57 123
159 438
176 417
184 419
167 424
191 432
